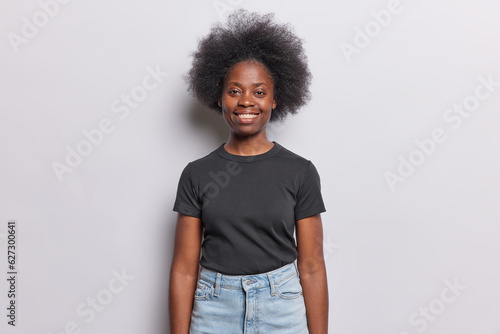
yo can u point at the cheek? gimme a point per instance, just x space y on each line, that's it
268 104
227 102
226 111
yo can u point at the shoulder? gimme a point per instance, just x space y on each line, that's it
298 164
289 157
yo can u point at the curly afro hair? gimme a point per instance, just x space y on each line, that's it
251 36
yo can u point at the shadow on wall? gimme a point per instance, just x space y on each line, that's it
208 121
212 129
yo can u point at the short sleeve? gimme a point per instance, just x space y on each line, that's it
309 200
186 201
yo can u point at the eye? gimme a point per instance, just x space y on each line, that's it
233 91
260 93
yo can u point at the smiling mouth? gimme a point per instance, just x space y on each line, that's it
247 115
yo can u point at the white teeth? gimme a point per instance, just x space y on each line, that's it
247 115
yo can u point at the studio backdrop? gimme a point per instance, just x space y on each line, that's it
403 127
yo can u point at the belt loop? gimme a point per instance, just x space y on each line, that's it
296 266
271 283
217 284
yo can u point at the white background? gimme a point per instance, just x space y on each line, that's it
389 251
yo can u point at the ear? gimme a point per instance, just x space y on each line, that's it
219 102
274 104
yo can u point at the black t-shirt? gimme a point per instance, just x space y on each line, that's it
249 206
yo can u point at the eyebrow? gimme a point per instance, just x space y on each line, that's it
256 84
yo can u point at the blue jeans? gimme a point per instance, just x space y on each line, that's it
271 302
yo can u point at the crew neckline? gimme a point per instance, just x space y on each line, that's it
249 158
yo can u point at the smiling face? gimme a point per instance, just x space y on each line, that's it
247 98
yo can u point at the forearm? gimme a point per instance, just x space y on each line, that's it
315 290
181 296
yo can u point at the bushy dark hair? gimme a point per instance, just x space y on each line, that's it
256 37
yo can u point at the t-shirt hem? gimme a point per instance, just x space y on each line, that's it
186 211
310 212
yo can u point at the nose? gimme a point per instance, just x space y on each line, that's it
246 99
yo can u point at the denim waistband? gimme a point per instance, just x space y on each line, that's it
244 281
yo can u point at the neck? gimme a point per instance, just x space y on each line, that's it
249 145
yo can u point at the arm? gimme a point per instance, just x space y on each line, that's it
184 272
312 273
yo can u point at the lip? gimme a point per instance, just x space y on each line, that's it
246 120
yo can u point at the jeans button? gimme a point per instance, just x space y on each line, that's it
247 282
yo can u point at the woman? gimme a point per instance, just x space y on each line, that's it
249 195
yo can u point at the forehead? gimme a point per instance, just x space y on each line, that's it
249 71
